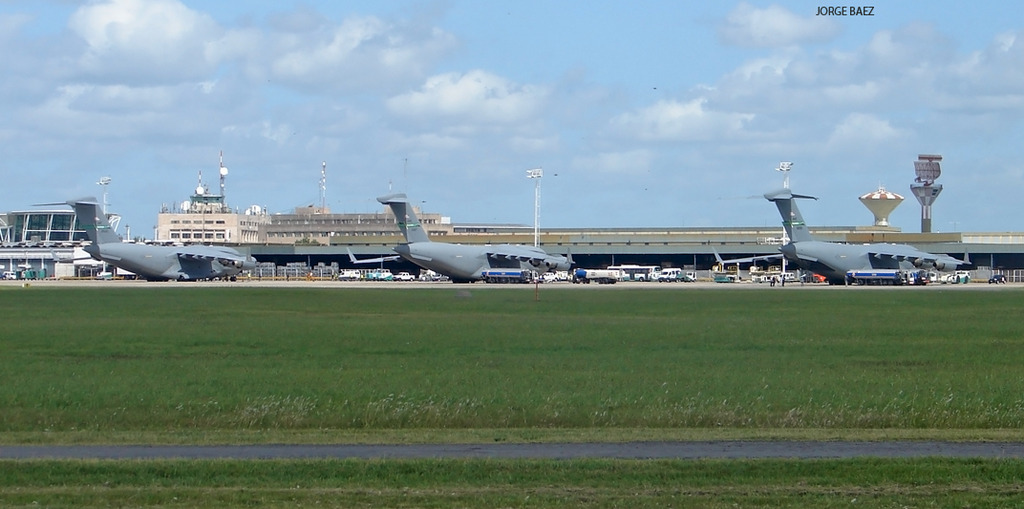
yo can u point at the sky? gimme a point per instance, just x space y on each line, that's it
641 114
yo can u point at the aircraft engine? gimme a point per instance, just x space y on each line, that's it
939 266
919 263
535 262
230 263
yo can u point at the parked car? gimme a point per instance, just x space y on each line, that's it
997 278
404 276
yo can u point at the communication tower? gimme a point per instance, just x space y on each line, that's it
323 188
223 173
924 187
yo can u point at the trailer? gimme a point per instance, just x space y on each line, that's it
508 276
599 276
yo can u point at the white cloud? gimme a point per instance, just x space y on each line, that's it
476 97
773 27
147 40
627 163
859 132
680 121
361 53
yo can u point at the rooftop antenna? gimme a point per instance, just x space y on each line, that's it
223 173
323 187
104 181
200 189
784 167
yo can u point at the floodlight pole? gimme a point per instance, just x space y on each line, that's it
785 167
536 175
104 182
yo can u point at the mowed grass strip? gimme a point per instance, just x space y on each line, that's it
924 482
180 359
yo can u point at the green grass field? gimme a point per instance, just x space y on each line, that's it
181 359
240 364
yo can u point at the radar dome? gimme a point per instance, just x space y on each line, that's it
881 203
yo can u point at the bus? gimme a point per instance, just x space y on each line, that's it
638 272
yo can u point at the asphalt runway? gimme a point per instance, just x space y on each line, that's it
557 451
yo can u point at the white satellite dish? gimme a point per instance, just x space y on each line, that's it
223 171
200 190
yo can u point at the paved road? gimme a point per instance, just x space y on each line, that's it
631 450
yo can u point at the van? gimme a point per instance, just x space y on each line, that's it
349 275
670 275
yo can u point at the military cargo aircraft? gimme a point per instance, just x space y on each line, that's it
155 263
835 260
459 262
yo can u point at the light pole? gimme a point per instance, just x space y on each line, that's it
536 174
104 181
785 167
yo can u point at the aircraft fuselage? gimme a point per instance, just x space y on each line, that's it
834 260
172 263
466 263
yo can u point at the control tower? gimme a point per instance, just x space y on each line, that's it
881 203
924 188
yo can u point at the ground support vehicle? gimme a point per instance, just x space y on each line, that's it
875 277
599 276
508 276
380 275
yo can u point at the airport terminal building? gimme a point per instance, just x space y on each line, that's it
37 243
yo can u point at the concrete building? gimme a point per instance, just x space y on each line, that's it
318 226
205 218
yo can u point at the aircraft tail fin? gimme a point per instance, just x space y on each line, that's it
92 219
792 220
406 217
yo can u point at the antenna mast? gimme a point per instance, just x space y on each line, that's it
323 188
223 174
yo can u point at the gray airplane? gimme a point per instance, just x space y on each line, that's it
833 260
155 263
462 263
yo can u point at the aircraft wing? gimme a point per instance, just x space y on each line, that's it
352 258
534 256
207 254
752 259
916 257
